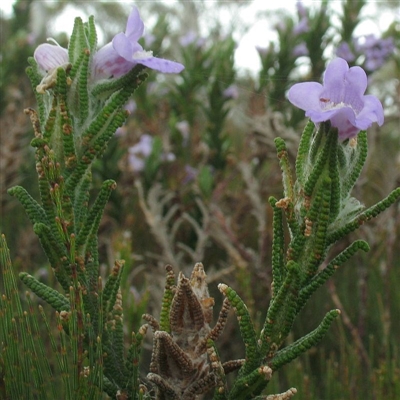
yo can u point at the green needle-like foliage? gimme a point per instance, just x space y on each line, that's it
319 211
246 329
167 300
281 312
75 122
49 295
26 372
77 116
278 244
292 351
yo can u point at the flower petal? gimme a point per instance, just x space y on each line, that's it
134 26
159 64
339 117
118 57
354 89
318 116
334 80
372 112
108 63
123 46
306 95
49 56
342 117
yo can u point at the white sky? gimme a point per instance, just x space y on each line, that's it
259 33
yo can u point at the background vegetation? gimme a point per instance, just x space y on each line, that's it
198 189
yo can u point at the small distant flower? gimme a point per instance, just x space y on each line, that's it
31 38
121 131
139 152
376 50
301 27
191 38
344 51
124 52
301 10
130 106
149 39
300 50
231 92
188 39
340 99
190 174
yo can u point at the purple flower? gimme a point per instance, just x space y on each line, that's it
131 106
124 52
301 10
113 60
376 50
190 174
139 152
192 38
231 92
300 50
301 27
50 56
340 99
344 51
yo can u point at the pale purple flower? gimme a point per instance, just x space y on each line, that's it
50 56
124 52
190 174
139 152
340 99
376 50
190 38
130 106
300 50
121 131
231 92
301 10
344 51
149 39
301 27
31 38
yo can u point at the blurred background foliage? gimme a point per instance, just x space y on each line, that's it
195 164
